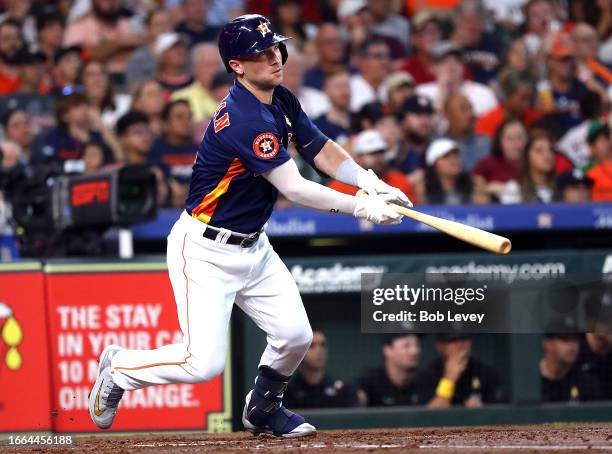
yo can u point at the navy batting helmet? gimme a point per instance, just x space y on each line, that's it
248 35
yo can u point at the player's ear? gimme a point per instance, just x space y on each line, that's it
237 67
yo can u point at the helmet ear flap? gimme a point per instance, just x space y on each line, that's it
283 51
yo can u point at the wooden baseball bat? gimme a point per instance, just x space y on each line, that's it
480 238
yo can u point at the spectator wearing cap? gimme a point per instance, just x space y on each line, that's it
369 152
32 95
67 64
66 142
205 64
331 50
148 99
560 93
503 164
426 33
311 387
141 64
537 179
336 123
460 116
481 50
105 34
598 138
445 181
175 150
31 72
574 187
50 33
11 43
517 94
449 70
560 377
386 22
17 128
456 377
194 25
374 116
574 144
417 126
399 87
172 59
314 102
394 383
373 61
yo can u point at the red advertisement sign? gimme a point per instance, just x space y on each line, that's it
136 310
24 353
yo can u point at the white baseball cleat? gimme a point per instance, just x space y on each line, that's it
280 422
105 395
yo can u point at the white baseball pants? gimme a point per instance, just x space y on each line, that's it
207 278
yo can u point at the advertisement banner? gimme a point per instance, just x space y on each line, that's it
321 275
24 353
90 308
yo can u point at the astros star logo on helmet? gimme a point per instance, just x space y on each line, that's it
263 28
265 145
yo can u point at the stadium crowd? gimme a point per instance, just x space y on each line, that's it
478 101
454 102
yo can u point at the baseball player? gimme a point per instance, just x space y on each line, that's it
218 253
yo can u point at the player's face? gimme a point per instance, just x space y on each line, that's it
404 352
316 356
566 350
457 347
265 69
601 340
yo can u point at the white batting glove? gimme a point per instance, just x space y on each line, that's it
369 182
374 208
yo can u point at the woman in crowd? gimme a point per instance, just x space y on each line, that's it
536 182
445 181
147 98
106 105
17 127
503 164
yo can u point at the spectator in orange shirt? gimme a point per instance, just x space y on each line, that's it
10 44
598 139
518 91
369 150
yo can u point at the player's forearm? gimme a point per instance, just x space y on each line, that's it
287 179
330 159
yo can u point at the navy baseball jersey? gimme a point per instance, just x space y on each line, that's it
246 138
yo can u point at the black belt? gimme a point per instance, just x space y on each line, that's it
240 240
